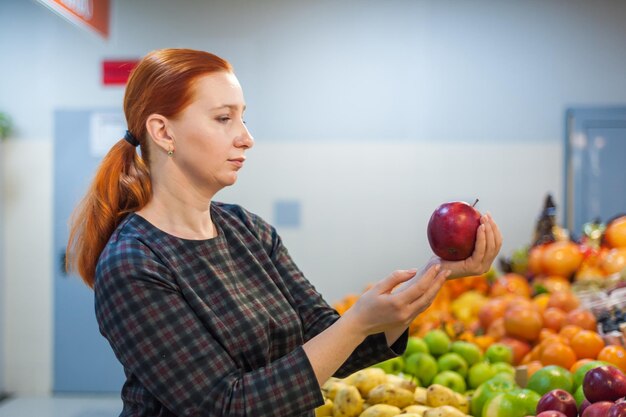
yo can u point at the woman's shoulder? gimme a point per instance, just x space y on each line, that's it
132 250
236 214
133 237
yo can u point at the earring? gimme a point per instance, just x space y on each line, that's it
170 152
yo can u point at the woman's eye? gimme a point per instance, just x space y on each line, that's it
223 119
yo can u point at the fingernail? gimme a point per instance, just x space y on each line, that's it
437 268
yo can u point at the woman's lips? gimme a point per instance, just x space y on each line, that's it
238 162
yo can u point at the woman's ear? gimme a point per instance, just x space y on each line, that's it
157 127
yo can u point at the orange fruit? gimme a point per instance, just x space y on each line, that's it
589 271
578 364
569 330
582 318
535 259
484 341
523 323
554 318
565 300
517 301
541 301
511 283
550 341
558 354
545 333
561 258
587 344
532 367
555 283
615 233
614 261
614 354
535 353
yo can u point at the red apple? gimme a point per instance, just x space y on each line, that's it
452 230
558 400
583 406
551 413
604 383
599 409
617 410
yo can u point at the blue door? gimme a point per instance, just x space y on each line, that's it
83 359
595 165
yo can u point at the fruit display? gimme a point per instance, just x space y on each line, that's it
373 393
544 337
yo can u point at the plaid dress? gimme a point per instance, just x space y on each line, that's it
215 327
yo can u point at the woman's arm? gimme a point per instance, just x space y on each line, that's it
377 310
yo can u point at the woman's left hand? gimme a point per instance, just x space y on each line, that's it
488 244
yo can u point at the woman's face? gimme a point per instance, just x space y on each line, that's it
210 137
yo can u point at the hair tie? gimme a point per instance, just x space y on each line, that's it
131 139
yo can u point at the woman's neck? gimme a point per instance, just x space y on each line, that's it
180 213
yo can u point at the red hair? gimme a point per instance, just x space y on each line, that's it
162 83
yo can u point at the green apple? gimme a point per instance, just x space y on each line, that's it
452 362
437 341
421 365
579 396
551 377
499 352
391 366
487 390
469 351
503 368
514 403
415 345
452 380
479 373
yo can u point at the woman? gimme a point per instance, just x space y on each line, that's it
200 300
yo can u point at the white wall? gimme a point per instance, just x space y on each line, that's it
366 207
369 113
2 268
28 265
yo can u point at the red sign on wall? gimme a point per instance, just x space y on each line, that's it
90 14
117 72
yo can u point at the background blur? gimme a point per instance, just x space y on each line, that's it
366 115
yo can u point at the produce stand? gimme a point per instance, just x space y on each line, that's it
530 337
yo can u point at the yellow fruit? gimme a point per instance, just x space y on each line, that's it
348 402
380 410
325 410
390 394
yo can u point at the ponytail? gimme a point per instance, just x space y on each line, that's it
121 185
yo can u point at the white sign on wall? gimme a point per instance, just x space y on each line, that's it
106 129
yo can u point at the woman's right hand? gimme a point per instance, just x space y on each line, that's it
396 300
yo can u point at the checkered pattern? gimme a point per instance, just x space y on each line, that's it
214 327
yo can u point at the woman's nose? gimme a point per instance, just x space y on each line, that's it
245 139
